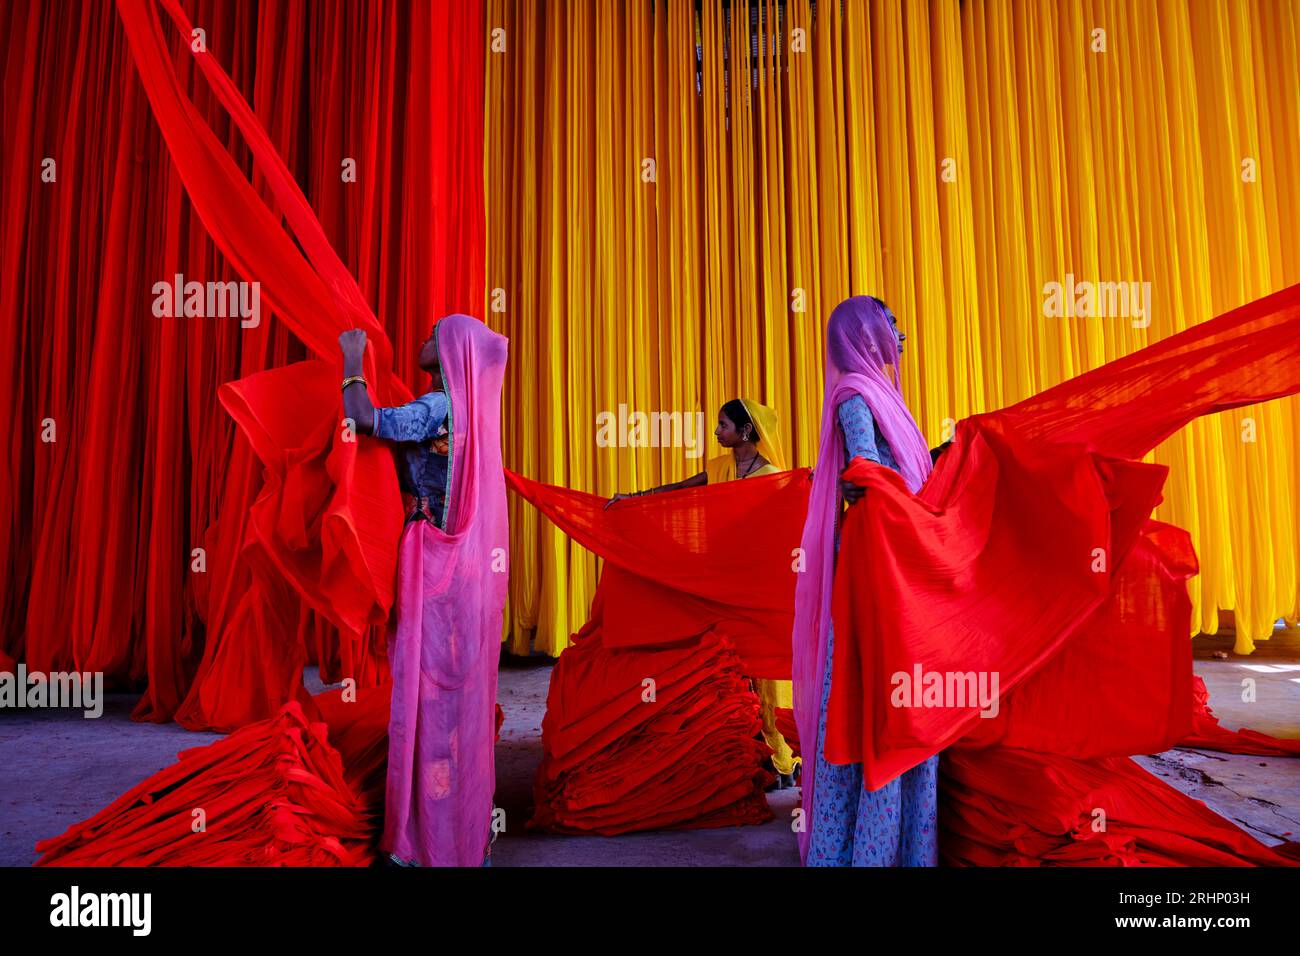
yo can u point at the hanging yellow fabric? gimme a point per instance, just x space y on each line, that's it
678 196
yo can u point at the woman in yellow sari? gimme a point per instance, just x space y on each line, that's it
751 436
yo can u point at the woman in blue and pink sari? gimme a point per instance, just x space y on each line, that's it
444 640
863 415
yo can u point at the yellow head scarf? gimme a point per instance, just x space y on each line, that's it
769 445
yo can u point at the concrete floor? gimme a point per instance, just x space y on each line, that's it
1260 794
60 768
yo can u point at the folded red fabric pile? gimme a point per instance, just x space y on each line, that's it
654 738
1009 807
303 788
271 794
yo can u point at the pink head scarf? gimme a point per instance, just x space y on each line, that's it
861 359
473 360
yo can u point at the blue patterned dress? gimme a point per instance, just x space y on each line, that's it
852 826
421 468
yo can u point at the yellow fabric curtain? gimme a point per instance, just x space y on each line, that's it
677 197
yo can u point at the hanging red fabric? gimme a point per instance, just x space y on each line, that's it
325 525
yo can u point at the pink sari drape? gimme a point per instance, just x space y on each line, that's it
446 639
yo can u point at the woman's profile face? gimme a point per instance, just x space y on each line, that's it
428 360
727 433
898 333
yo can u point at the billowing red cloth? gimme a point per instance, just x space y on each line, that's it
680 562
329 513
642 738
1022 542
1030 554
1135 656
971 583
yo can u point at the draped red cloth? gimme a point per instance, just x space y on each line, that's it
1030 541
1030 554
678 563
1006 807
274 793
397 89
326 521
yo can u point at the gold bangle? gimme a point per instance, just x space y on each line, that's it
352 379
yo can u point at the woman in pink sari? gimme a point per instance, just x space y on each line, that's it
444 640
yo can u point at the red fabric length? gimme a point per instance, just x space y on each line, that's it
696 594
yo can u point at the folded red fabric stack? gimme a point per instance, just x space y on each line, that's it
1007 807
643 739
271 794
358 730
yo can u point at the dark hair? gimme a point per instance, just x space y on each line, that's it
739 414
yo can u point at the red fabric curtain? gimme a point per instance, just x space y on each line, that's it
121 463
